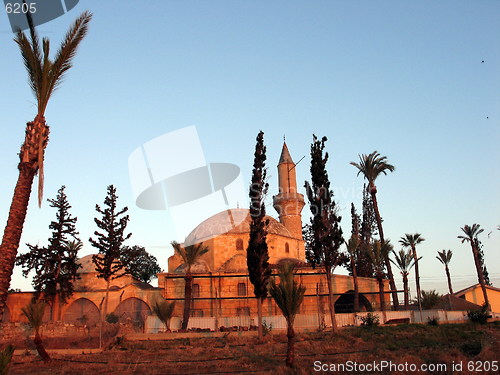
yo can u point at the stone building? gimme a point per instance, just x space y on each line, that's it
221 283
129 299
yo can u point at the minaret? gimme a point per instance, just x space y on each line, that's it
289 202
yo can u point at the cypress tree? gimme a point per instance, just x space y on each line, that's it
325 223
55 265
109 242
480 255
257 252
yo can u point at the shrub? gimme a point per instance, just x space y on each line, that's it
5 357
266 328
479 316
164 311
112 318
369 320
429 299
434 321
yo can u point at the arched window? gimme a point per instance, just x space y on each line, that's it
196 290
243 311
239 244
242 289
197 313
287 247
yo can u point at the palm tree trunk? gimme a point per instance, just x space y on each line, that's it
259 319
290 351
188 291
417 277
480 275
40 348
381 293
405 287
449 279
14 228
52 309
330 300
395 300
355 282
57 304
35 141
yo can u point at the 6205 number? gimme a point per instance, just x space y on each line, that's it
18 8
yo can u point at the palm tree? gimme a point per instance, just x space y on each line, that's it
189 254
445 258
372 166
288 295
404 261
352 249
378 252
45 75
411 241
429 299
34 313
164 311
5 358
471 233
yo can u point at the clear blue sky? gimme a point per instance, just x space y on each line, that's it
403 78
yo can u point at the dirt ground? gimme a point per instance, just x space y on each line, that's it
417 345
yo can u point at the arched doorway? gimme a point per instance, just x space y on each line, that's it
345 303
6 315
82 311
133 310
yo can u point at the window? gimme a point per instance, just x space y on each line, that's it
197 313
239 244
287 247
196 290
242 289
243 311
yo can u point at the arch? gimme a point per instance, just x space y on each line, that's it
287 247
82 311
345 303
237 263
6 315
239 244
133 309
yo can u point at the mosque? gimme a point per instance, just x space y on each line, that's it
221 286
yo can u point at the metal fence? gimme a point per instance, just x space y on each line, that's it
304 321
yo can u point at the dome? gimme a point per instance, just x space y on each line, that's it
236 220
87 264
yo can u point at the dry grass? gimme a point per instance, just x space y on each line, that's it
414 344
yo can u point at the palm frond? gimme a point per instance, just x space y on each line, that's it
410 240
444 256
288 294
471 233
164 310
34 313
31 62
403 260
372 165
353 244
189 254
67 51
